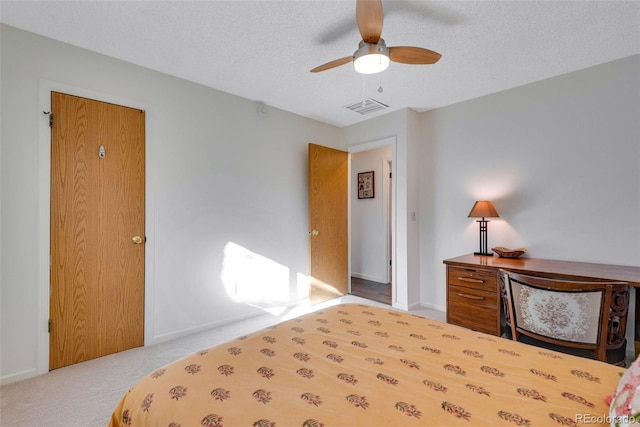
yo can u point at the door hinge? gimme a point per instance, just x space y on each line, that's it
390 175
49 327
390 262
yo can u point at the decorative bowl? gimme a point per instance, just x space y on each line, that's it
508 253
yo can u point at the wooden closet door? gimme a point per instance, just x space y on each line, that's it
97 229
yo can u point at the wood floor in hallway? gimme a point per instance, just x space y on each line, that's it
375 291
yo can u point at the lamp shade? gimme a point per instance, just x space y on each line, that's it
483 209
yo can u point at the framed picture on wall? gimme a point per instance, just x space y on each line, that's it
366 187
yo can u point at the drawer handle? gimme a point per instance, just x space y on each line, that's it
466 279
475 297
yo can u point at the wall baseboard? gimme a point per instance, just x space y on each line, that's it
432 306
189 331
18 376
369 277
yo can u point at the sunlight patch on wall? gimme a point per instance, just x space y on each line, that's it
254 279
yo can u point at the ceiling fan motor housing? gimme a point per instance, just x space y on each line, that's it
371 58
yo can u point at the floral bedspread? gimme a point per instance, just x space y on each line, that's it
355 365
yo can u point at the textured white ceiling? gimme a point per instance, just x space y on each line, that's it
263 50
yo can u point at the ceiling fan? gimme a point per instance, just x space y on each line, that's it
373 55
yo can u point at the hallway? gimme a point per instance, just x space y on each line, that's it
375 291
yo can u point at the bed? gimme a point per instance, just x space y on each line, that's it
357 365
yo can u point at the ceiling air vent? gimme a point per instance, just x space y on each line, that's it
367 106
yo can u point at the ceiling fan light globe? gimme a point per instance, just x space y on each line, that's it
371 58
371 64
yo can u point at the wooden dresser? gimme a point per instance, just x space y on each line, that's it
473 298
473 293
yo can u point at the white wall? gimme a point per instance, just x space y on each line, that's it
559 158
226 195
369 228
414 165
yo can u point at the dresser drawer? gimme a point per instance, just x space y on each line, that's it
473 308
472 278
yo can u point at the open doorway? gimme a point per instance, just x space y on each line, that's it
371 225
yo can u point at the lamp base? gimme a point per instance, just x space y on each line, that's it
483 253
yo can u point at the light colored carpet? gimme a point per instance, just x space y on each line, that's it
84 395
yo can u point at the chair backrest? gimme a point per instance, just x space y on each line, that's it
584 315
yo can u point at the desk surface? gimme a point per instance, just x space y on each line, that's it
562 269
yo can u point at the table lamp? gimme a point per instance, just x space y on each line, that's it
483 209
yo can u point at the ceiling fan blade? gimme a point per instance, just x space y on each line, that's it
369 18
332 64
413 55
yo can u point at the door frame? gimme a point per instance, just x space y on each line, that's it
389 230
45 87
392 141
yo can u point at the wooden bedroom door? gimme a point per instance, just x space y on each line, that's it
97 229
328 223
